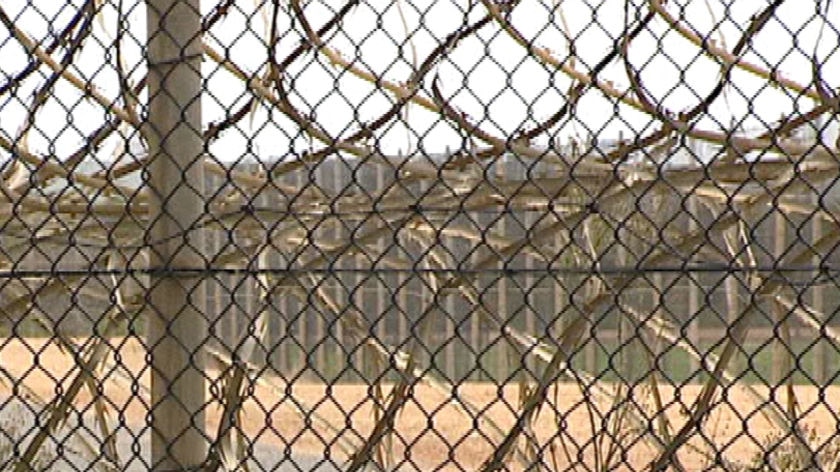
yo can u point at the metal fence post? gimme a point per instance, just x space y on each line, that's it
177 327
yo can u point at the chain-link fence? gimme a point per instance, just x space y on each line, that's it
518 235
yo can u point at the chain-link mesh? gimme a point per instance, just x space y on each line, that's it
521 235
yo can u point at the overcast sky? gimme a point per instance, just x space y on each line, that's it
488 76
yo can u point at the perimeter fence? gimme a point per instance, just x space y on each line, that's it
520 235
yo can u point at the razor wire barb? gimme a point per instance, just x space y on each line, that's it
520 235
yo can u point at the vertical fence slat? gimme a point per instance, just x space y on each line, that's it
820 352
694 289
381 295
449 333
782 341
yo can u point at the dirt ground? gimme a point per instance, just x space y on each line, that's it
432 432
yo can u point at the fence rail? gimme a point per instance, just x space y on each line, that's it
396 236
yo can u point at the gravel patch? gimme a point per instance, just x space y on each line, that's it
66 451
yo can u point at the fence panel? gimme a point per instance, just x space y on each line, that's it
517 235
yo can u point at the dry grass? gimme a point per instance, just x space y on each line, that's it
430 430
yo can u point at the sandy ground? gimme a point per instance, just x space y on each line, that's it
305 422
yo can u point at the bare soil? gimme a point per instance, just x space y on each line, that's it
431 431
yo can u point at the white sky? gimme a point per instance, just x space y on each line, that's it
488 76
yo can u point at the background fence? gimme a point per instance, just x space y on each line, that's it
398 236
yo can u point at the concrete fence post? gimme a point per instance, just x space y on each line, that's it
177 324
